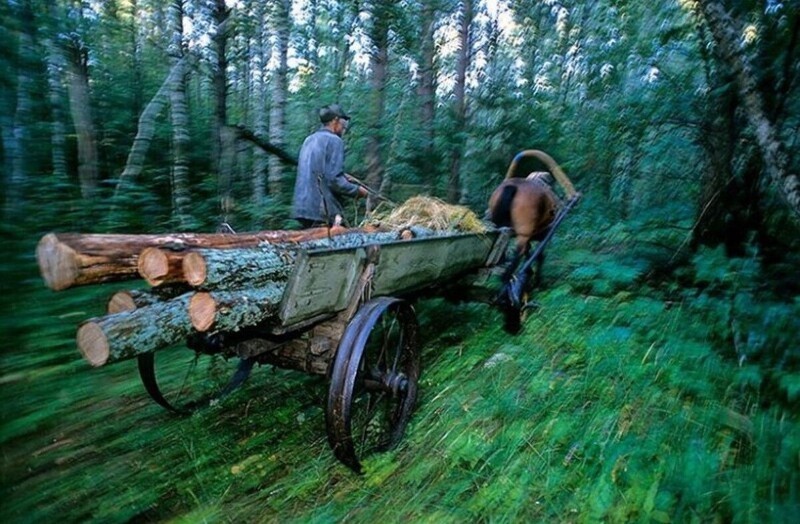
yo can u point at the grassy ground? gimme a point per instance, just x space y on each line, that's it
611 405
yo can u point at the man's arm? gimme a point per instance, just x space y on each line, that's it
335 176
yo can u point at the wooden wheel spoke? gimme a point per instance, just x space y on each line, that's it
398 351
369 425
386 337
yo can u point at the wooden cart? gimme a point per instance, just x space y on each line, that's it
346 314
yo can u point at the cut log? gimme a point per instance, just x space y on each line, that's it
73 260
159 266
237 268
124 335
128 300
67 260
234 310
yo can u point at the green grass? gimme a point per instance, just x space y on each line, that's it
613 404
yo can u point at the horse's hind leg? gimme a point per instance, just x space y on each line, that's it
511 268
537 278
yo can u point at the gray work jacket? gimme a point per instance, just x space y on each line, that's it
320 178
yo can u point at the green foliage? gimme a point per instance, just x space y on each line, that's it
606 407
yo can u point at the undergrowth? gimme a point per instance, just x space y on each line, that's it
617 402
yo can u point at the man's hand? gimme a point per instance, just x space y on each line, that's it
362 192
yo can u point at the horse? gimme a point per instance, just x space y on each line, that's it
528 206
531 208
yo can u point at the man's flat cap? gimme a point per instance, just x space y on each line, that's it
328 113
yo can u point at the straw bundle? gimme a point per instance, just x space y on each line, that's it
431 213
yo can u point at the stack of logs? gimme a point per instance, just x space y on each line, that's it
199 282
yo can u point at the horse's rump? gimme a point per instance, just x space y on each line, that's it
501 210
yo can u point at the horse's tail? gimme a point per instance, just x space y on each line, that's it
551 164
501 213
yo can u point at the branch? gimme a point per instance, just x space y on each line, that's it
242 133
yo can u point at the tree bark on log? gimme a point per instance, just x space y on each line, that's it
67 260
129 300
237 268
124 335
234 310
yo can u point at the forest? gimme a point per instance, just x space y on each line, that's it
657 380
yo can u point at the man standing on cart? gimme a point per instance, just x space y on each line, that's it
321 181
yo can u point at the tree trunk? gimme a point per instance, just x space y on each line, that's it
718 197
227 163
147 123
277 118
180 123
221 143
136 62
81 110
773 152
234 310
20 134
344 50
260 158
379 66
124 335
58 128
459 103
426 89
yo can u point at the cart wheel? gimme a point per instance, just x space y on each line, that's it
183 381
373 381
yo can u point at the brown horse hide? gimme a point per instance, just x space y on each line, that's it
526 205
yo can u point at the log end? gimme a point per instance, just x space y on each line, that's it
119 302
58 263
194 269
202 311
93 344
153 265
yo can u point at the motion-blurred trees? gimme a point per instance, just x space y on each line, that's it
637 101
750 139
